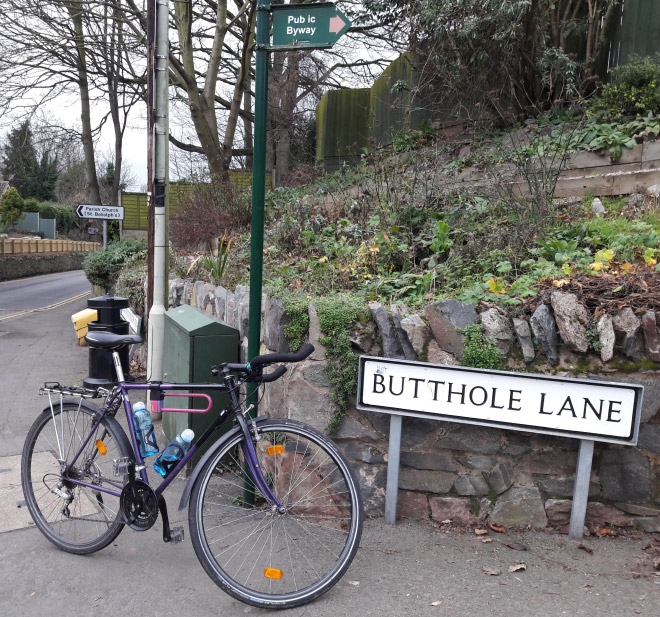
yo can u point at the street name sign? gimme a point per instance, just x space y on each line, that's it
309 26
578 408
86 211
583 409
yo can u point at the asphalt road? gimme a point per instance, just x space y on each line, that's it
37 344
41 291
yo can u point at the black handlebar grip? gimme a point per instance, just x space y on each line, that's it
276 374
271 358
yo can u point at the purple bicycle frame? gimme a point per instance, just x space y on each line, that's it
246 445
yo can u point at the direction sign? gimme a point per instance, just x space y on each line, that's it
309 26
115 213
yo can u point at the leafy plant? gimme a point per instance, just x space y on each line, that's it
215 266
11 207
633 90
480 351
297 309
103 267
337 315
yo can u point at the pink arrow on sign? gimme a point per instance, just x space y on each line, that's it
336 24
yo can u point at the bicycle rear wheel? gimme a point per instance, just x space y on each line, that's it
270 559
76 518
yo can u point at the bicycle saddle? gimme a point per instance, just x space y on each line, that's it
109 340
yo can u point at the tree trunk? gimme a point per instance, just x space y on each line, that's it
75 9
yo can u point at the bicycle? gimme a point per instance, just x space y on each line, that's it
274 510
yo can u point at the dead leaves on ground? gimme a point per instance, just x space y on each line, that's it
516 567
516 546
492 571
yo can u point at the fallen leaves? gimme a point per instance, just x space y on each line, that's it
497 528
492 571
481 532
586 549
518 567
516 546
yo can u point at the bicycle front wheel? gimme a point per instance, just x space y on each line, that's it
73 509
263 557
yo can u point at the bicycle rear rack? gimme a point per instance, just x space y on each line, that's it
57 388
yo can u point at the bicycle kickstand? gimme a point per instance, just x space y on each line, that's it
174 534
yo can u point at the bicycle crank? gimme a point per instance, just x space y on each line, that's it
139 505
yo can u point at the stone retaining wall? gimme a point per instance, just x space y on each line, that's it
19 266
462 474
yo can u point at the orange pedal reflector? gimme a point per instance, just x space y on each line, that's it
101 447
272 573
272 450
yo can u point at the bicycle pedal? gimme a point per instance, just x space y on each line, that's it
176 534
121 466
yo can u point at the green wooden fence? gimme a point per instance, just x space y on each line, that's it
638 32
136 204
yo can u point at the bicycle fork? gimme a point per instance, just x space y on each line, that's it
252 469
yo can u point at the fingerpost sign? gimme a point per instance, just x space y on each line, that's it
110 213
309 26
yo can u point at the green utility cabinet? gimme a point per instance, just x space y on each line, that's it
193 342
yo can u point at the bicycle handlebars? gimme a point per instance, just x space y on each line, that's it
271 358
265 360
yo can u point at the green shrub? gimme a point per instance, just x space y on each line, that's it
103 267
337 316
31 205
634 90
11 207
479 350
130 284
64 218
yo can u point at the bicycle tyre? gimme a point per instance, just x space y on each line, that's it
92 519
265 558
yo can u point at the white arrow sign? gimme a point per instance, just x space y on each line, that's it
85 211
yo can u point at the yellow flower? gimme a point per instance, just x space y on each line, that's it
323 259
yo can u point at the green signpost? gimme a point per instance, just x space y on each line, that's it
310 26
294 26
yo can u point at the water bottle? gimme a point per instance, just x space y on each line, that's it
144 430
174 452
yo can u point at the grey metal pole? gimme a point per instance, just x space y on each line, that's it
393 457
161 145
581 489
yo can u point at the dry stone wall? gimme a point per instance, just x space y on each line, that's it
462 474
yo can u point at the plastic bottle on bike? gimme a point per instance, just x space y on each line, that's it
174 452
144 430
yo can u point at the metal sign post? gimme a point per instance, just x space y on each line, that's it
295 26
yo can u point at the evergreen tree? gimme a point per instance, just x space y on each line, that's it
29 175
20 160
44 178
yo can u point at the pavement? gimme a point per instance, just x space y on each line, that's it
412 568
